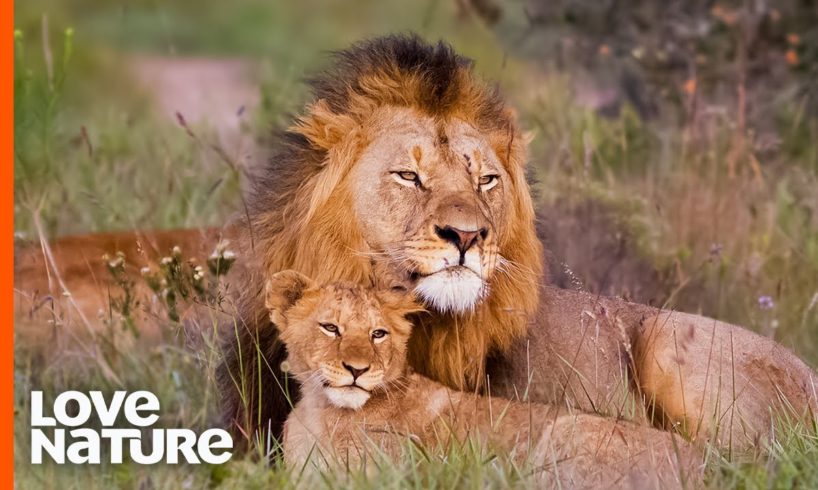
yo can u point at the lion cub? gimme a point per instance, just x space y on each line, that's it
347 348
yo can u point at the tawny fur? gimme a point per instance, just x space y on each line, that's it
302 203
566 449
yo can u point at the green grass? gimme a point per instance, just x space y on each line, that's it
93 154
716 243
88 166
179 370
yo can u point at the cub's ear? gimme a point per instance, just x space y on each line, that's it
282 291
398 304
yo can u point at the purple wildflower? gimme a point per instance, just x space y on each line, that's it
766 302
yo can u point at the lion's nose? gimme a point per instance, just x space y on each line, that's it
355 370
462 239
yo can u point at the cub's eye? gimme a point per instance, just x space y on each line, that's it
379 334
486 182
407 178
330 329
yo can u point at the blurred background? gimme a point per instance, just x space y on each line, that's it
674 158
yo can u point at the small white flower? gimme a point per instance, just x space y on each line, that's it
220 248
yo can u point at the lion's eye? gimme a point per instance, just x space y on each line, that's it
330 329
379 334
407 178
486 182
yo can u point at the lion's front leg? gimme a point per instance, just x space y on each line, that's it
718 380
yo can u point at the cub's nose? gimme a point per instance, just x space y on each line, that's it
355 371
462 239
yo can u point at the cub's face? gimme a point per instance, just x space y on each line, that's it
343 340
432 200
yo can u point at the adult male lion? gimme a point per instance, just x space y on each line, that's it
407 171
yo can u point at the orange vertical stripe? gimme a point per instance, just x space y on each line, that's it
7 249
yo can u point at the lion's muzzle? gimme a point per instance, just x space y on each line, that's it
453 273
463 240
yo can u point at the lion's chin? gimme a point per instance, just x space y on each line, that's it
347 396
452 290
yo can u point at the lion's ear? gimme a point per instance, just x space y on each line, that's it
282 291
323 127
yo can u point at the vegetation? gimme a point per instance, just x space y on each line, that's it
701 199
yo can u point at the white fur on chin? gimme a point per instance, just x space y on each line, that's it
347 397
456 291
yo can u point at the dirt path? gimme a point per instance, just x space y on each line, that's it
219 93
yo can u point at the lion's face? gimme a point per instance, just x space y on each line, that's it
342 339
432 205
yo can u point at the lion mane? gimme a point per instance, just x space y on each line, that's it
300 217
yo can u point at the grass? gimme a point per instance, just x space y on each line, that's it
713 244
92 154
